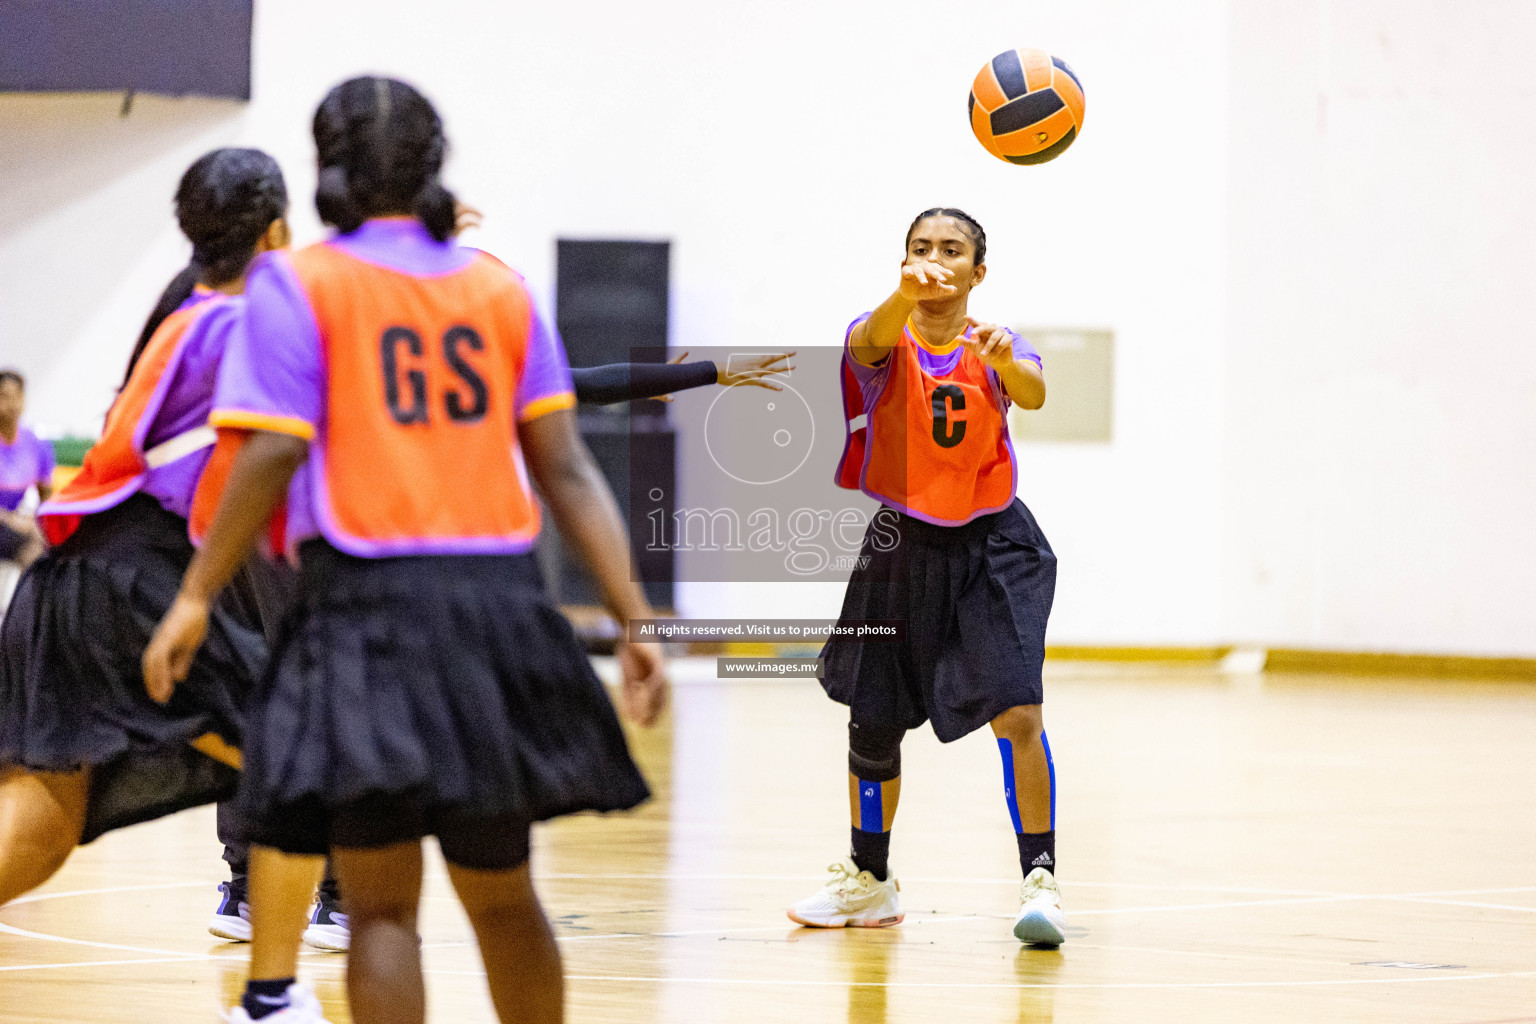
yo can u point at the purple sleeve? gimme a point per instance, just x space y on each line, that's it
862 372
272 377
1022 349
546 382
44 461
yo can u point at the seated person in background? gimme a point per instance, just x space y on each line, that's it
25 461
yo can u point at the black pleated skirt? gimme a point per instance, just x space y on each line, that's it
408 696
975 599
71 687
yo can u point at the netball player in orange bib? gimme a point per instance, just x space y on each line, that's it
395 387
955 555
83 750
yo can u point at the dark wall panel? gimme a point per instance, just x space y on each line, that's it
611 297
175 47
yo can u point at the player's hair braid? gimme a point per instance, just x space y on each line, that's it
381 147
973 228
224 204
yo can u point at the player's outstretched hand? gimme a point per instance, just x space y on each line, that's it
464 218
924 279
168 658
756 370
643 695
992 344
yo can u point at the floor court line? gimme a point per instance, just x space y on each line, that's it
40 897
1460 903
166 955
1075 944
1068 883
1008 986
926 880
10 929
107 963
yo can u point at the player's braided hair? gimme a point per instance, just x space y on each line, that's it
226 201
972 226
381 148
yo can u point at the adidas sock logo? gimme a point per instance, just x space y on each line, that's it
1042 861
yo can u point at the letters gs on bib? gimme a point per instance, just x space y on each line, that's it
945 433
465 403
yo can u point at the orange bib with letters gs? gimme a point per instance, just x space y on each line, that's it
934 447
419 444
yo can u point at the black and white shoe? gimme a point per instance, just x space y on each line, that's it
232 920
328 927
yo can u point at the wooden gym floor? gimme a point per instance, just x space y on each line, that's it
1233 849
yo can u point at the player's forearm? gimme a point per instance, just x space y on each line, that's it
873 339
1024 383
588 519
620 382
258 481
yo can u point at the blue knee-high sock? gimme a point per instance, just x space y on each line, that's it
1036 849
871 842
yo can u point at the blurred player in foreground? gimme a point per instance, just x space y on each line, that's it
394 385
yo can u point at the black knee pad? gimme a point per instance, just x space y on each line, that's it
874 755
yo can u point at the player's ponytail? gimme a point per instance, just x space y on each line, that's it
381 145
177 292
226 201
972 227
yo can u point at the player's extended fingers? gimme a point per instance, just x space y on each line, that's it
157 673
181 662
660 692
645 689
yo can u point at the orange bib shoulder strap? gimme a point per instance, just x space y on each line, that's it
115 466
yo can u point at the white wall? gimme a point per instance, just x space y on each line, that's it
1381 385
783 148
86 236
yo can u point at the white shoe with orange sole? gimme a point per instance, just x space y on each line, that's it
851 899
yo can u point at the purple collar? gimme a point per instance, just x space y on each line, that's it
404 244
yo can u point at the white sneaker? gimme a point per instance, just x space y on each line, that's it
851 899
302 1008
1040 921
